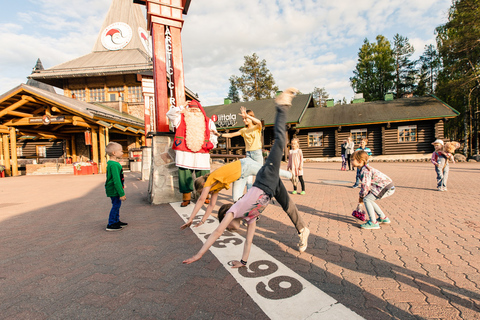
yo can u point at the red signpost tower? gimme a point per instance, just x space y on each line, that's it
165 22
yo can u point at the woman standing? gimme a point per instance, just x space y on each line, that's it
350 148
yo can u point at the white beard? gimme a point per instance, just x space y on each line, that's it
195 129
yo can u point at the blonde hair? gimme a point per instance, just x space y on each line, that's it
199 183
360 156
111 147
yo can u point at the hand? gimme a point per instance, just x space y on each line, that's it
243 112
360 200
192 259
236 264
123 198
186 225
199 224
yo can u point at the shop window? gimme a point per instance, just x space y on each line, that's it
97 94
78 94
42 151
315 139
358 134
135 94
407 134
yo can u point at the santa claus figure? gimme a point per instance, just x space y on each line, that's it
194 138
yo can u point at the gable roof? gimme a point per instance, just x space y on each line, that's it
35 83
91 112
398 110
263 109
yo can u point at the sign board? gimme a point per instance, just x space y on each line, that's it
47 119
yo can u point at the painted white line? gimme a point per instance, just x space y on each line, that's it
278 291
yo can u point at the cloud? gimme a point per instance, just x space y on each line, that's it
307 43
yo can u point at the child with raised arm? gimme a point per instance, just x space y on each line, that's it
266 186
114 186
252 135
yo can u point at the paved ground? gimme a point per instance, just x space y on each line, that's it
57 261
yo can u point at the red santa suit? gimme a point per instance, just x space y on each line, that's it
192 143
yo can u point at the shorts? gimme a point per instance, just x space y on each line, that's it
251 205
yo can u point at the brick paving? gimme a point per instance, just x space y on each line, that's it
58 262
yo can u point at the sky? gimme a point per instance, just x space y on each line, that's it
305 43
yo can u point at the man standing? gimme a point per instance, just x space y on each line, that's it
193 141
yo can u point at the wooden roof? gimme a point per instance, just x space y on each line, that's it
263 109
398 110
24 106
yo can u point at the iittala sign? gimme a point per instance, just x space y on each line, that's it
225 120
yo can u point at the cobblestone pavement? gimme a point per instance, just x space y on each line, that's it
58 262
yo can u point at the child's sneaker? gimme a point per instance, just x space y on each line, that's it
294 192
370 225
302 244
384 220
114 227
303 192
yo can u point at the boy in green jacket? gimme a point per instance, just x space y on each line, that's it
114 186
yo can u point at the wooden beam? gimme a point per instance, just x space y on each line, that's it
94 144
14 106
13 148
74 150
6 153
57 127
26 122
37 111
103 158
81 124
55 109
20 114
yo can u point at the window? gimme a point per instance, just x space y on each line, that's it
358 134
115 93
78 94
97 94
42 151
407 134
315 139
135 94
19 152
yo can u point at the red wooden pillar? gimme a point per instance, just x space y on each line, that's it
160 77
165 20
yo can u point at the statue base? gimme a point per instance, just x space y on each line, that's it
163 182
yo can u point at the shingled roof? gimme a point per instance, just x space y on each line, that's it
399 110
263 109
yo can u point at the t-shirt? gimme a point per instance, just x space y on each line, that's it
252 137
114 182
224 176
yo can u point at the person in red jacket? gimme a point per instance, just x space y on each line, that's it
192 143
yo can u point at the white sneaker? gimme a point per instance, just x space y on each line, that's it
302 244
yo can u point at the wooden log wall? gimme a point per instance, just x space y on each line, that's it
425 137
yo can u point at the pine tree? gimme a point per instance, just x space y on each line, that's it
233 91
429 67
256 81
320 96
373 74
404 67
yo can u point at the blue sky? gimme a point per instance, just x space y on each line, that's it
305 43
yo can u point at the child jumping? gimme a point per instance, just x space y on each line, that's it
212 183
266 186
374 186
295 165
114 186
440 160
